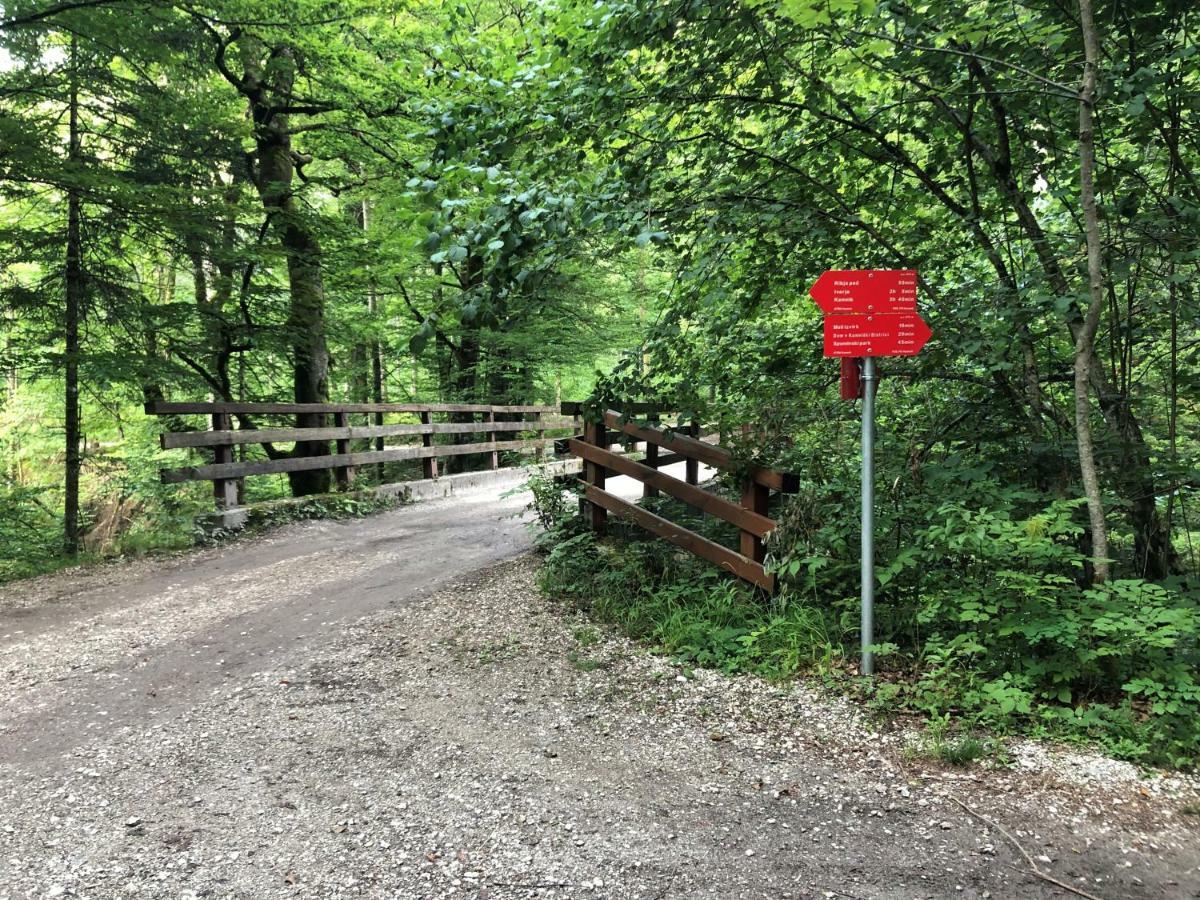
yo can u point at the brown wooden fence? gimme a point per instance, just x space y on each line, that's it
750 516
224 471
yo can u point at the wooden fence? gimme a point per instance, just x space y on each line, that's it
750 516
224 471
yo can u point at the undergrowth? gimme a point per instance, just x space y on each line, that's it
982 621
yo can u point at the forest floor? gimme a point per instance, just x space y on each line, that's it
387 707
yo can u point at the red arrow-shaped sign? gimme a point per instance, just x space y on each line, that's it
866 291
885 334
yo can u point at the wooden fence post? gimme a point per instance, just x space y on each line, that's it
494 457
224 489
651 459
692 466
596 517
345 474
429 465
754 498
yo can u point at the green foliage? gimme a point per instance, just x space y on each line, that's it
683 608
981 603
959 750
584 663
28 533
980 613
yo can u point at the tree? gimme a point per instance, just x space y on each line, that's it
777 141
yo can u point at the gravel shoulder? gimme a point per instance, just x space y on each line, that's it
366 731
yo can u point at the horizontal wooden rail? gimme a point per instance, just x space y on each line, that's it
707 502
173 440
476 429
709 454
750 516
180 409
230 470
730 560
670 459
575 408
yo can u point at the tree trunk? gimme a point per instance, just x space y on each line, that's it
75 287
268 96
12 446
1085 340
466 365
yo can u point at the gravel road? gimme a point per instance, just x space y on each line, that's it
388 708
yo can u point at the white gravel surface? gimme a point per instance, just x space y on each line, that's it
387 735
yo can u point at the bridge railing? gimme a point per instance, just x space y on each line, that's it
750 516
492 429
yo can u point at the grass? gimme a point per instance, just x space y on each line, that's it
507 647
587 636
584 663
961 752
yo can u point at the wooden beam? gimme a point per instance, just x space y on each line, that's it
225 491
755 497
594 434
575 408
345 474
494 458
709 454
304 463
648 489
429 465
731 561
744 519
180 409
667 459
174 440
691 467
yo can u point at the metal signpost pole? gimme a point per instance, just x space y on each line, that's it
867 665
868 313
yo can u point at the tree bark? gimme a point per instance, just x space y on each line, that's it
268 90
1085 339
74 282
466 364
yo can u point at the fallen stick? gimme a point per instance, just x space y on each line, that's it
1033 866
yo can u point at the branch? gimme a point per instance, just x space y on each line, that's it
1063 90
51 11
419 317
1033 866
223 44
199 370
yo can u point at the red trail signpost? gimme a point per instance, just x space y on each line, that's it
880 334
868 313
842 291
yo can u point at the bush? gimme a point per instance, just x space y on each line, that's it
30 533
982 610
683 607
980 613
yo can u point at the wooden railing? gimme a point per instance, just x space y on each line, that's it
224 472
750 516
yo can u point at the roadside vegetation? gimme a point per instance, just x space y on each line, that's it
988 632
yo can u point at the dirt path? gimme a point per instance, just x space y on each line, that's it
328 713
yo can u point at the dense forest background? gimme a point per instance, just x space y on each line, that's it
524 201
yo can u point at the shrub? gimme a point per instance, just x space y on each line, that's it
980 610
982 603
